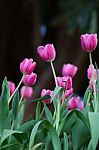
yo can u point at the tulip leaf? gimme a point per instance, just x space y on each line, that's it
4 107
48 114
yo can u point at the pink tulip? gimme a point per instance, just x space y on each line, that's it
46 92
69 70
30 80
28 92
27 66
69 92
47 52
89 73
88 42
11 87
75 103
65 82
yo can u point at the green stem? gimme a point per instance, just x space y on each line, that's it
54 74
94 88
16 89
22 95
58 115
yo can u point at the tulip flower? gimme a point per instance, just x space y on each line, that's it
75 103
27 91
46 92
88 42
29 80
65 82
27 66
89 72
47 52
11 87
69 70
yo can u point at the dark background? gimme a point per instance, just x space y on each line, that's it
26 24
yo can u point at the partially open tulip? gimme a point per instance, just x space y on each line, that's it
89 72
88 42
46 92
69 70
27 66
11 87
75 103
29 80
47 52
28 92
65 82
68 92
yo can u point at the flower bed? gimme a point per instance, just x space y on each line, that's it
72 124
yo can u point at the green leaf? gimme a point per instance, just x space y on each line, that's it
6 133
65 141
54 137
58 91
40 99
86 95
36 146
48 114
27 127
38 110
8 145
15 103
93 117
80 135
20 115
4 107
33 134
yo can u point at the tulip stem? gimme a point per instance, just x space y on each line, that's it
54 74
16 89
93 82
22 95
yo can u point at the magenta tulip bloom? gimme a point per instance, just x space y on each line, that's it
27 93
69 92
88 42
27 66
11 87
29 80
65 82
47 52
75 103
69 70
46 92
89 73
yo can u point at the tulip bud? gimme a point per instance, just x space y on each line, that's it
88 42
28 92
27 66
75 103
65 82
89 72
11 87
29 80
46 92
69 92
47 52
69 70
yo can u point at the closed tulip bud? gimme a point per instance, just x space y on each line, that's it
65 82
88 42
46 92
29 80
47 52
89 72
69 70
11 87
27 66
27 91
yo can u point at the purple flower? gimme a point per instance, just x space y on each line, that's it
46 92
69 70
29 80
47 52
27 93
88 42
11 87
27 66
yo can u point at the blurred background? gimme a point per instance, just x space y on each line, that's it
26 24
